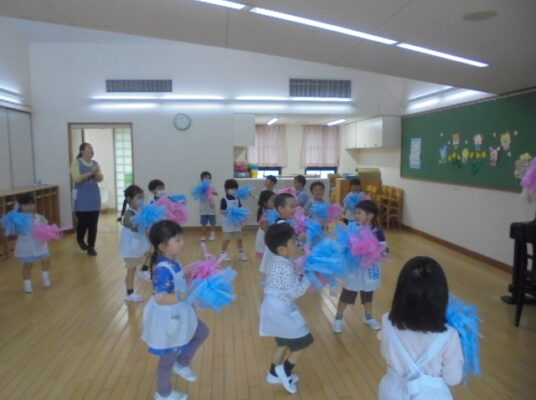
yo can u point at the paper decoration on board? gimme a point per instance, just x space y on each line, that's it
465 155
475 166
478 139
522 165
456 137
506 141
494 156
455 159
443 154
415 153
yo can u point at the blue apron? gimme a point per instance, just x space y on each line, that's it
87 196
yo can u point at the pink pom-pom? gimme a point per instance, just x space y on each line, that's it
335 212
210 194
45 233
367 246
175 211
529 180
203 269
300 221
289 190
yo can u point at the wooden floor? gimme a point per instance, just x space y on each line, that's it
80 340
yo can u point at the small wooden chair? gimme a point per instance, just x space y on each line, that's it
394 208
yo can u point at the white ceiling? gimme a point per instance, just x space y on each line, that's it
506 42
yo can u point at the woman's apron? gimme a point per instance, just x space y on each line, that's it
86 193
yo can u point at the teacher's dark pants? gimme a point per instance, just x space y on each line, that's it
87 222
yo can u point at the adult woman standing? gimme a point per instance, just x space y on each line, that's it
86 174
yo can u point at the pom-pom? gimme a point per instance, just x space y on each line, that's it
325 263
203 269
353 199
315 233
244 193
44 232
299 221
175 211
335 212
464 318
320 210
203 191
215 291
271 216
16 223
149 215
289 190
365 244
178 198
529 180
237 216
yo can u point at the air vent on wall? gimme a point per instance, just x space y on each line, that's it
138 85
320 88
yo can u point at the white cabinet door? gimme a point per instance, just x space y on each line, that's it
349 135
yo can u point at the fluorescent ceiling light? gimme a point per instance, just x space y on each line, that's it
10 96
126 106
326 99
261 98
272 121
424 104
336 122
191 97
461 94
440 54
321 25
224 3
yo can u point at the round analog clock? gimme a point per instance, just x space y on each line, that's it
182 122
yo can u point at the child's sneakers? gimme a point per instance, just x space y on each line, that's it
227 257
145 275
185 371
203 238
274 379
174 395
28 286
285 380
242 256
372 323
212 236
337 326
134 297
46 279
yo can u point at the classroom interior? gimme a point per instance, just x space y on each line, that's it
231 73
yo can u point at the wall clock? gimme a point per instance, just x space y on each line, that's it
182 121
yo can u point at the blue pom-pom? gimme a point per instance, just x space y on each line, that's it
327 260
149 215
16 223
178 198
315 233
215 291
237 216
320 210
353 200
199 192
272 216
464 318
244 192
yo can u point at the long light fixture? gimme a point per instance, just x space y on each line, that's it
326 99
336 122
261 98
440 54
321 25
424 104
224 3
177 97
10 96
272 121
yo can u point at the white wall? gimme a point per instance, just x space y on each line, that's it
477 219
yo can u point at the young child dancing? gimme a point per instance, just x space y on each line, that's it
266 202
171 328
424 355
207 210
362 280
231 231
280 316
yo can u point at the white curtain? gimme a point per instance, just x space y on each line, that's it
320 146
270 148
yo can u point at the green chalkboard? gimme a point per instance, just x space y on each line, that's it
449 149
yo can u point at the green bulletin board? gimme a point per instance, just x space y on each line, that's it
477 145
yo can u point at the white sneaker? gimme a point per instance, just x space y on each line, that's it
145 275
212 236
134 297
274 379
174 395
285 380
46 280
203 238
185 372
242 256
372 323
337 326
227 258
28 286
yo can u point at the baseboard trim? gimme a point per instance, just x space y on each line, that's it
480 257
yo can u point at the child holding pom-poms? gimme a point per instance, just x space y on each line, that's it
365 277
265 203
28 249
352 199
422 350
205 193
234 217
171 328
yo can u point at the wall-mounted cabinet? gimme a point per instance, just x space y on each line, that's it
373 133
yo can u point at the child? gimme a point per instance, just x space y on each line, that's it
28 249
231 231
157 189
279 315
134 244
423 354
170 325
363 280
266 202
301 194
207 211
317 190
270 182
349 213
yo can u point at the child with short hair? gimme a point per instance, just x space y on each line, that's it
350 212
207 210
134 244
279 315
270 182
265 203
171 328
362 280
28 249
301 194
317 190
231 231
424 355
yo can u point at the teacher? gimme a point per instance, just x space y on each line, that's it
87 201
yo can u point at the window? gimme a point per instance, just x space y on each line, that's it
265 171
270 148
322 172
123 162
320 147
